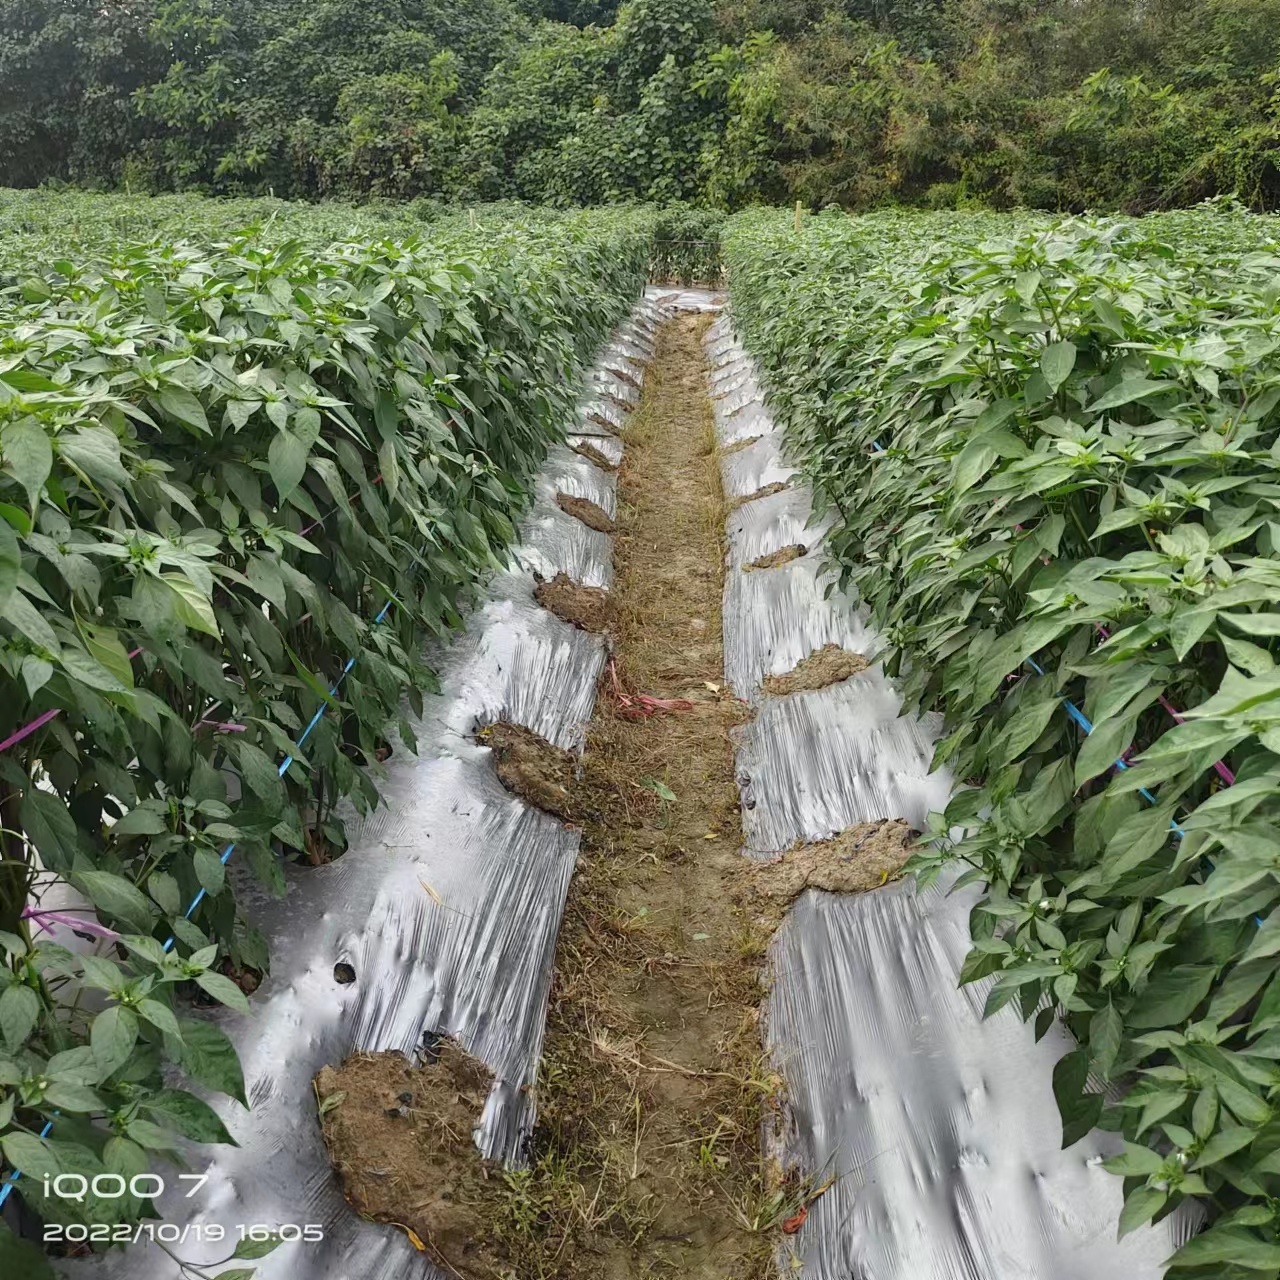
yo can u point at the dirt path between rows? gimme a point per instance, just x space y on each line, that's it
646 1160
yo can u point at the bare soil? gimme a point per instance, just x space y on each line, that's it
823 667
593 516
860 858
400 1138
590 608
774 559
536 770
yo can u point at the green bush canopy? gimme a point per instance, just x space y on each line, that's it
1058 104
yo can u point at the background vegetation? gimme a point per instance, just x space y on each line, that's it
1065 104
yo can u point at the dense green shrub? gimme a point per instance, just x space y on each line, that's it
1062 104
1051 449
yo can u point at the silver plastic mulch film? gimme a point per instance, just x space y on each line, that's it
939 1129
446 906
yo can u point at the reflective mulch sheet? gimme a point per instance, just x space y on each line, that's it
939 1129
446 907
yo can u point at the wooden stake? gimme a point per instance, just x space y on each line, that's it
799 215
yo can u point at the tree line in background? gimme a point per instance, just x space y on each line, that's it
1069 104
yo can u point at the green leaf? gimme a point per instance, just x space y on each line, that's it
223 989
1106 1029
116 897
1254 624
164 891
192 607
112 1036
1231 1246
209 870
182 404
22 1259
160 1016
1142 1205
106 650
1079 1110
1056 363
209 1058
10 561
50 827
20 1010
1171 997
23 616
1254 659
28 456
1224 1143
34 1156
147 1134
76 1098
145 819
260 775
95 451
972 463
81 667
287 461
1104 746
256 1248
1128 391
189 1115
1135 1161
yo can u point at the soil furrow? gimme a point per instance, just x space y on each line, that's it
646 1160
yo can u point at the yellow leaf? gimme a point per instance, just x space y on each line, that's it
414 1238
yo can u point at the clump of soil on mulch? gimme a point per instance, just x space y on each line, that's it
601 421
861 857
767 491
594 456
587 607
739 445
624 375
400 1138
533 768
784 555
826 666
593 516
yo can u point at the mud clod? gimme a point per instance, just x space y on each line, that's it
594 456
784 555
826 666
592 515
603 423
533 768
767 491
738 445
400 1138
589 608
625 375
861 857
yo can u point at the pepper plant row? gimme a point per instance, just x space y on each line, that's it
221 459
1051 452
